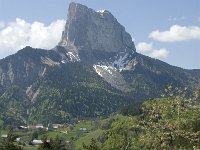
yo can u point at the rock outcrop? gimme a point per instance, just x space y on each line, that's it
89 34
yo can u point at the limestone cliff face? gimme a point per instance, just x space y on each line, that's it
88 32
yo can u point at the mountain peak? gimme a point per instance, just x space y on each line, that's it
89 32
78 11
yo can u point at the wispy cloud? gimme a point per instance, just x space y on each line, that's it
176 33
183 17
172 19
148 49
177 18
18 34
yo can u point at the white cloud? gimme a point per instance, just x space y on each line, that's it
144 47
18 34
176 33
148 49
160 53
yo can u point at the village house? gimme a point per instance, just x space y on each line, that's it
22 127
39 126
56 126
36 142
83 129
4 136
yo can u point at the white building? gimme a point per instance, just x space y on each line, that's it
36 142
83 129
4 135
39 126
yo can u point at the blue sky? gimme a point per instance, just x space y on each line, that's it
168 30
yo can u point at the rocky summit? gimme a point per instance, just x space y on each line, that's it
92 35
93 71
97 38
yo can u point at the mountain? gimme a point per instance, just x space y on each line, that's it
94 36
93 71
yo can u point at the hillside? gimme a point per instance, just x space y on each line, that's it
165 123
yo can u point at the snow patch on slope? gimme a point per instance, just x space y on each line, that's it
62 61
101 11
112 76
73 57
102 68
111 68
48 61
121 61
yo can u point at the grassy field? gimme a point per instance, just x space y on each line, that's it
3 132
87 138
30 147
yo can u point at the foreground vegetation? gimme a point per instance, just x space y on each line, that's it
171 122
